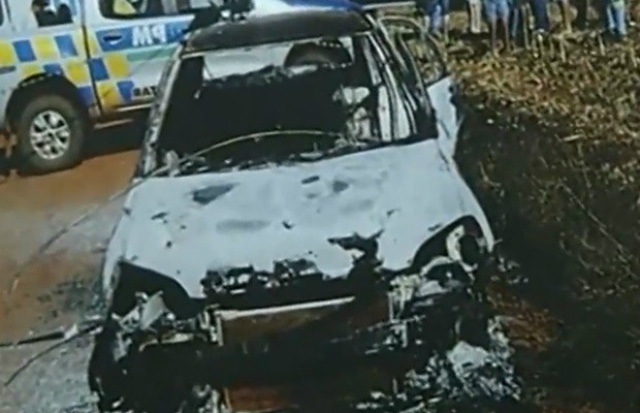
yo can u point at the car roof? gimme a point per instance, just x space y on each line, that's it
274 28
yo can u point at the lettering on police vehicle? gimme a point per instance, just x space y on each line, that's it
144 92
149 35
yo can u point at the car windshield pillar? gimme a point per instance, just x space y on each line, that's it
167 93
402 98
393 32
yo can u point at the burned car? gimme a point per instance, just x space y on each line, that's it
298 236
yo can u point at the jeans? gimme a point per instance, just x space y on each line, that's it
540 17
515 22
540 14
435 10
497 9
615 16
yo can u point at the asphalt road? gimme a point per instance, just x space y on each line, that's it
40 291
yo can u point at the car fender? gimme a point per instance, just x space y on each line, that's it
448 117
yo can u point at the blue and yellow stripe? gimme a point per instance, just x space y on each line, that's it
65 54
42 48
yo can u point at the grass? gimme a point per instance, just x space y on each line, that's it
554 156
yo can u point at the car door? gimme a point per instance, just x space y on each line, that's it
130 41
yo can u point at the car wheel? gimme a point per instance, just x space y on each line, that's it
51 131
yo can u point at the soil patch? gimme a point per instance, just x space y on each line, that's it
553 154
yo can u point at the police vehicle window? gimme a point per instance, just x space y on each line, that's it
1 15
149 8
51 13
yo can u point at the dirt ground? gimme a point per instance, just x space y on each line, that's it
33 210
44 291
553 157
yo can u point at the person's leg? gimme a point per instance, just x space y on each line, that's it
514 20
565 11
435 16
540 14
492 17
544 13
474 8
424 7
582 11
619 15
533 6
444 6
504 7
610 18
493 32
603 12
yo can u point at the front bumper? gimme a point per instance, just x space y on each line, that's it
381 327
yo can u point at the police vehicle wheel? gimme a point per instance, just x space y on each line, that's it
51 132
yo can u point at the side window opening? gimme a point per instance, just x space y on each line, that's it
415 51
51 13
402 99
1 14
381 95
127 9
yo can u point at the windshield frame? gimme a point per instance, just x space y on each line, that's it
382 48
147 162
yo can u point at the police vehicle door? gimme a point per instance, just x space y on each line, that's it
8 78
130 42
48 39
7 54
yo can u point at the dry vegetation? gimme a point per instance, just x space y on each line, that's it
555 154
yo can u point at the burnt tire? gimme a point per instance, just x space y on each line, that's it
50 131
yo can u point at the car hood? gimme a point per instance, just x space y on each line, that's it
182 227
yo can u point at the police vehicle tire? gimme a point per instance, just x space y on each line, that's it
50 134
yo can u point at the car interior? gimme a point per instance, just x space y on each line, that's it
321 94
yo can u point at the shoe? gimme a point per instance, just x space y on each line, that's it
606 34
539 34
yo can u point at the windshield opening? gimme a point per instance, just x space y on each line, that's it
300 106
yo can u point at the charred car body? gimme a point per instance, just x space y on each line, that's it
298 233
